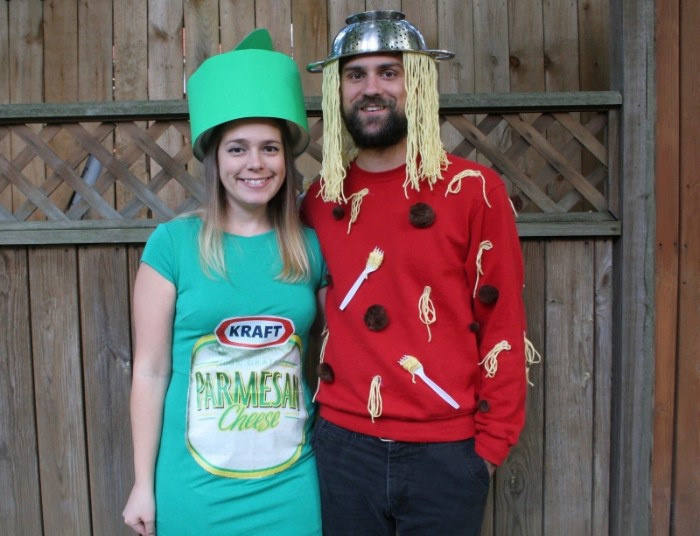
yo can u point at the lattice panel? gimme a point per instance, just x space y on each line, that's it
128 170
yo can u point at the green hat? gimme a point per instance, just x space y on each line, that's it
252 80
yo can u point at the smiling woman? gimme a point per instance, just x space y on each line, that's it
251 165
221 413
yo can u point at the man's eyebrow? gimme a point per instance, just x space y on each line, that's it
380 66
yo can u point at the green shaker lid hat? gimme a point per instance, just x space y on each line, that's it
252 80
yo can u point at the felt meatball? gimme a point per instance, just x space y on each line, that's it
325 373
376 318
488 295
338 212
421 215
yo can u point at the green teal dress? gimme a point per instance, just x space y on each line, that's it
234 456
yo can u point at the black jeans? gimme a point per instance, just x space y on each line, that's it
370 486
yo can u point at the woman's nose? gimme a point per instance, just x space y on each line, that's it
254 160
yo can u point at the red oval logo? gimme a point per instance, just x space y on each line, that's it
254 331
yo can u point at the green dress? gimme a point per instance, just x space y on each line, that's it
234 456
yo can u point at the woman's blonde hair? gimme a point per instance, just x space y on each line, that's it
281 212
425 155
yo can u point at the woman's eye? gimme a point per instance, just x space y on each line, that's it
235 150
271 149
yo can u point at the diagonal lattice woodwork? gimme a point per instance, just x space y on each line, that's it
135 168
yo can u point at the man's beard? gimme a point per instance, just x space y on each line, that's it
392 128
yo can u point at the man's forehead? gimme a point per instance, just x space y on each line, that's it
363 61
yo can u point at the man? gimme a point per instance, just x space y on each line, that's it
422 380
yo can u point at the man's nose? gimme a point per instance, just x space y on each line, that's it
373 86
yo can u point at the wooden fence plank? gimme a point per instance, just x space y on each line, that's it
5 192
130 49
455 21
26 71
95 55
602 380
519 482
424 16
165 37
310 25
201 32
338 11
526 62
130 73
95 41
106 342
60 28
20 507
491 55
569 374
237 20
371 5
62 72
561 45
594 45
686 513
4 54
456 24
276 16
526 56
58 378
667 227
561 65
632 24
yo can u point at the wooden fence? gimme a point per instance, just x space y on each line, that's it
102 82
68 266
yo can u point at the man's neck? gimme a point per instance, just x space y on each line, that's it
384 159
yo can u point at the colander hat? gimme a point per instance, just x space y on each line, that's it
371 32
252 80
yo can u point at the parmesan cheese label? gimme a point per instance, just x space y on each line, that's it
245 411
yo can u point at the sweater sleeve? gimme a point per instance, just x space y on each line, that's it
495 265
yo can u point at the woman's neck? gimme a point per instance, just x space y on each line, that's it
247 224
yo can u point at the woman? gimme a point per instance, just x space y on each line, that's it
224 301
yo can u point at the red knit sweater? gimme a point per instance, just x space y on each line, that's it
435 239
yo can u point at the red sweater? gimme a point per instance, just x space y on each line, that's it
459 232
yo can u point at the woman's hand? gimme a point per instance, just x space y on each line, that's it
140 511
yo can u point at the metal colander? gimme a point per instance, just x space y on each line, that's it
377 31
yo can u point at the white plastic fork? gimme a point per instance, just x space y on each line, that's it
412 365
374 261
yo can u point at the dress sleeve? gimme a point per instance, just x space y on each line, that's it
159 253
